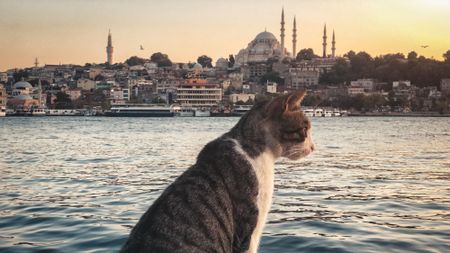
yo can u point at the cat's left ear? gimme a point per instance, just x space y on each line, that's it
293 100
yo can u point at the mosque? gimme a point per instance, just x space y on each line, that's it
266 46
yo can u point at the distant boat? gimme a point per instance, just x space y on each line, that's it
63 112
202 112
2 111
38 112
140 110
318 112
183 111
241 110
309 112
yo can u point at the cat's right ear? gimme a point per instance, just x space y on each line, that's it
293 100
284 104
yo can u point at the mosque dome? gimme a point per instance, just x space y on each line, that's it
197 66
265 36
22 85
263 47
23 97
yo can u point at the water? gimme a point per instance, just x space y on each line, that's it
80 184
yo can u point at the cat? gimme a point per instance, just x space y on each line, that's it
220 204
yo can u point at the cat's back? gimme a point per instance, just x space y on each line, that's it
209 208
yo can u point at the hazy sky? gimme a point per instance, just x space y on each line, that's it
75 31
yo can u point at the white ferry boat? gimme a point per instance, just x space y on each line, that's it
318 112
63 112
309 112
183 111
38 112
2 111
328 113
140 110
202 112
241 109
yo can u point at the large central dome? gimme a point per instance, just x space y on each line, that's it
263 47
265 36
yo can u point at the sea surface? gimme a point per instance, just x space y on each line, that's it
79 184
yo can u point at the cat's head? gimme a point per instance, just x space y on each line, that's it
287 129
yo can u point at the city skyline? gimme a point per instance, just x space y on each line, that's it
54 33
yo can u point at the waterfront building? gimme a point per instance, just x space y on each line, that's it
243 97
400 84
119 95
355 90
445 86
74 93
367 84
302 77
271 87
199 93
3 96
109 50
86 84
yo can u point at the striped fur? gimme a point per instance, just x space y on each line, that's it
220 204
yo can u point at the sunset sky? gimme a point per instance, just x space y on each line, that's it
75 31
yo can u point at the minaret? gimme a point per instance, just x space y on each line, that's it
36 62
324 41
294 40
333 46
282 33
109 50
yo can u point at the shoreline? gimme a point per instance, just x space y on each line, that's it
397 114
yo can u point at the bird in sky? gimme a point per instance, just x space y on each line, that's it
424 46
142 48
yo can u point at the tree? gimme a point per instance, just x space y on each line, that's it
306 54
272 77
231 61
134 60
161 59
205 61
446 56
412 56
62 101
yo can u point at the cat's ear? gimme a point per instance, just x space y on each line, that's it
293 100
286 103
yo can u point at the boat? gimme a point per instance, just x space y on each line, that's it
38 112
336 113
202 112
318 112
2 111
241 110
63 112
327 113
140 110
309 112
183 111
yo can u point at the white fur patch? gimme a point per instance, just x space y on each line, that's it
263 165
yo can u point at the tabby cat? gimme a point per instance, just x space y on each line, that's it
220 204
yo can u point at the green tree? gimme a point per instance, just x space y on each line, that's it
62 101
272 77
231 61
134 60
306 54
412 56
161 59
446 56
205 61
